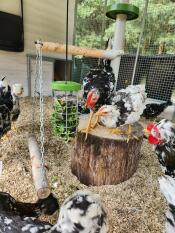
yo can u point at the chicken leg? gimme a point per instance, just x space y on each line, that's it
116 131
88 128
14 128
129 132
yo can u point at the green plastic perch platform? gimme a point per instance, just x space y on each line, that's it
65 86
130 10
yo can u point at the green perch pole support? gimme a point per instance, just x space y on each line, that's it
121 12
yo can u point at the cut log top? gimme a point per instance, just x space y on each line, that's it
104 132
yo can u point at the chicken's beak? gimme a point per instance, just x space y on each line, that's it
146 131
101 112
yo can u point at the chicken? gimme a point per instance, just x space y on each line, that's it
16 108
9 105
126 107
43 206
162 137
98 85
6 106
82 212
167 187
15 224
17 91
154 110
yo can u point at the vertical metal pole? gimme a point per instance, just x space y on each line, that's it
119 35
29 81
103 24
140 39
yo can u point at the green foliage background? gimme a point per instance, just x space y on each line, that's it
93 27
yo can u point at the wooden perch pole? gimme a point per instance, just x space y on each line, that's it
74 50
39 175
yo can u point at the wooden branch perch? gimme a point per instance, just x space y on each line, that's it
39 175
74 50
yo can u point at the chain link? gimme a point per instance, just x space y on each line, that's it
34 98
39 80
42 139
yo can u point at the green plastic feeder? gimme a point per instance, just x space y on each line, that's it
130 10
65 108
65 86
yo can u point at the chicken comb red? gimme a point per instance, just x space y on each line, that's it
150 126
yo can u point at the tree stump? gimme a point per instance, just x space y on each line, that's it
105 158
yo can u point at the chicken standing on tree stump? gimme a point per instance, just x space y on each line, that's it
126 107
98 86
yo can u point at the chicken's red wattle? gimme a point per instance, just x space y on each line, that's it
153 140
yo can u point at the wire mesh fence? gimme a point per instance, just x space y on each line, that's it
156 63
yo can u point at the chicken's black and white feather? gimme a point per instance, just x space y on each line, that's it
167 187
17 224
82 212
100 80
16 108
126 107
9 107
153 109
6 106
163 133
43 206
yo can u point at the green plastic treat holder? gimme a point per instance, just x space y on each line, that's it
65 86
130 10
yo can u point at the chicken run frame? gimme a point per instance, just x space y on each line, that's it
157 72
155 66
139 67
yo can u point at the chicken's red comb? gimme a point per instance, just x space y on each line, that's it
150 126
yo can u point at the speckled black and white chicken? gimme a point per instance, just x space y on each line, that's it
82 212
6 106
162 137
167 187
99 82
43 206
126 107
9 106
153 110
98 85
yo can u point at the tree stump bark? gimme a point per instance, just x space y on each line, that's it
105 158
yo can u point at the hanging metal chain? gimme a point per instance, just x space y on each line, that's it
41 100
42 139
34 99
